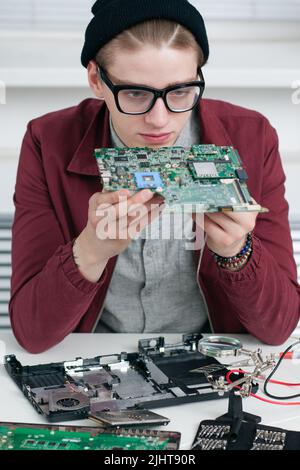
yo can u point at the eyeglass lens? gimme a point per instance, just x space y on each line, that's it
139 101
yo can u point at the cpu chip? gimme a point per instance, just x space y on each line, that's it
148 180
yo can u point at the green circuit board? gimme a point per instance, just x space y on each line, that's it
201 178
15 436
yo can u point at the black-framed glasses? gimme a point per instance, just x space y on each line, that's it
135 99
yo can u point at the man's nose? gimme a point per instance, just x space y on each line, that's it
158 116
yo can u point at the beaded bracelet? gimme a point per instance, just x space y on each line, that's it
233 262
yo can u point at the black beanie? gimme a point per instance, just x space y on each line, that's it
111 17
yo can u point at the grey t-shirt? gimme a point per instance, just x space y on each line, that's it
154 287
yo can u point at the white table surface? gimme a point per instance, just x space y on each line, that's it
183 418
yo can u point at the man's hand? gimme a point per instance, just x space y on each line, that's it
226 232
114 219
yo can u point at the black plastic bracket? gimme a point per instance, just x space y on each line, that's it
235 415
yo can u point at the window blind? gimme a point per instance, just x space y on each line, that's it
61 15
249 9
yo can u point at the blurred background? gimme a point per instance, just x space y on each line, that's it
254 62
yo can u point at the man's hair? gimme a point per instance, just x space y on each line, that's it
157 32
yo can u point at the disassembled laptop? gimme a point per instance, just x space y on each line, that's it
120 389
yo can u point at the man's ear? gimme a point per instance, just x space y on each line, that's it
94 80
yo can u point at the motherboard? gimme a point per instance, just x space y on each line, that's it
120 389
200 178
19 436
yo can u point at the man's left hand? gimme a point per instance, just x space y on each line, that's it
226 232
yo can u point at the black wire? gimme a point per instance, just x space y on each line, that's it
273 372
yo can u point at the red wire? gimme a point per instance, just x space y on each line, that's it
261 398
288 384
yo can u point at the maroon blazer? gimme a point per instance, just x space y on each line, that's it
57 174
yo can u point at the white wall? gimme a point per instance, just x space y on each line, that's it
251 64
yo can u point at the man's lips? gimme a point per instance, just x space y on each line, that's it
157 135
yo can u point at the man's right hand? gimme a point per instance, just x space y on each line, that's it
114 219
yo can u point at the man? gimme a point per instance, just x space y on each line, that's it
67 278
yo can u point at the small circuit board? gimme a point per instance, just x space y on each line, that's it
17 436
201 178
